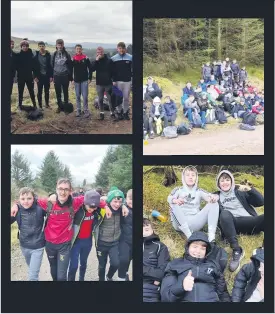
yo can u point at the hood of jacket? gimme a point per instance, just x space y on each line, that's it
197 236
187 189
232 182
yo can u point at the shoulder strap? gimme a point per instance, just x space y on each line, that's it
72 213
49 208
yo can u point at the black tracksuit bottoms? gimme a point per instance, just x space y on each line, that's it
125 257
44 81
59 257
103 250
231 226
21 85
61 83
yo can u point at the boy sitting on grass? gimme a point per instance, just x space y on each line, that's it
194 278
185 201
30 220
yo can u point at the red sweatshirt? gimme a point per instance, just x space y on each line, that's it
58 226
86 226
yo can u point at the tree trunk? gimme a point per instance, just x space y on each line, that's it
219 54
170 177
244 42
209 37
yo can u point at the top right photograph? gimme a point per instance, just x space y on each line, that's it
203 86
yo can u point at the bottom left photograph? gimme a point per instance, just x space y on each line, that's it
71 213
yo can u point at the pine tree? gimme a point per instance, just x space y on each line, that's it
67 173
21 174
51 169
84 183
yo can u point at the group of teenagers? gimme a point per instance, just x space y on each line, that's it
223 87
198 276
113 77
65 226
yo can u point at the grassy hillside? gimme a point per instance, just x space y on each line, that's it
14 228
155 197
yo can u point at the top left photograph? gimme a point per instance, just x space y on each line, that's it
71 67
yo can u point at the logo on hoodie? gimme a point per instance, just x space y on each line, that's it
189 199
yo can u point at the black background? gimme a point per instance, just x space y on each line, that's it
91 297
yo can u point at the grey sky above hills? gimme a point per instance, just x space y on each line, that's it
92 23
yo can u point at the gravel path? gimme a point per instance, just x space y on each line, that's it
19 269
229 140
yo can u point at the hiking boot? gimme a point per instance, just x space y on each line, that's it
126 115
152 136
120 116
108 279
78 114
101 116
237 256
112 115
58 110
86 115
48 106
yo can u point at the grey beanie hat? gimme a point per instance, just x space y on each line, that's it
92 198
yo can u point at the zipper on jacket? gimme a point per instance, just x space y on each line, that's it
79 227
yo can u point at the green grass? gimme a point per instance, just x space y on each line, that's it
155 197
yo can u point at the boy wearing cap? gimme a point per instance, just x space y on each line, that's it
107 234
44 73
62 70
27 72
84 221
122 76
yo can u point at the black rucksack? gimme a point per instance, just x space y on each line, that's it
183 129
36 114
249 118
220 115
27 108
67 108
51 211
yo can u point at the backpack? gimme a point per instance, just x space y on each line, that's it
36 114
183 129
51 211
67 108
27 108
220 115
260 119
247 127
116 97
196 119
218 256
170 132
249 118
210 116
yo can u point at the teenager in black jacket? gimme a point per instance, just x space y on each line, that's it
30 220
103 67
194 278
155 260
26 71
237 214
249 282
126 240
44 74
13 68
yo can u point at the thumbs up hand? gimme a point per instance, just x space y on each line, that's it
188 282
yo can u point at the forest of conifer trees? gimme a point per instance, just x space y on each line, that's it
178 44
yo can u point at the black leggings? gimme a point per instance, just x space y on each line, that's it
231 226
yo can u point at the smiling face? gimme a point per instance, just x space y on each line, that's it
63 190
25 48
116 203
26 200
121 50
197 249
225 182
190 177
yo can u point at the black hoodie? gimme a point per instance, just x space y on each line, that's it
248 277
209 282
155 260
26 65
103 68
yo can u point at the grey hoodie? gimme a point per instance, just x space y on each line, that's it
60 67
228 199
192 197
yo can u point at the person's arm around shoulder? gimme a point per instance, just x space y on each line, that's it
253 196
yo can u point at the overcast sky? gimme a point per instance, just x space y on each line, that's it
73 21
83 160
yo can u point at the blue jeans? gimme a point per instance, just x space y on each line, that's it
33 259
81 249
203 120
81 89
189 114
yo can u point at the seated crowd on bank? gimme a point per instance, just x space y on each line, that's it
198 276
223 90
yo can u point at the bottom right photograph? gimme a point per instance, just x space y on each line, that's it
203 233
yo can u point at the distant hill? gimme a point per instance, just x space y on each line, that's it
89 45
